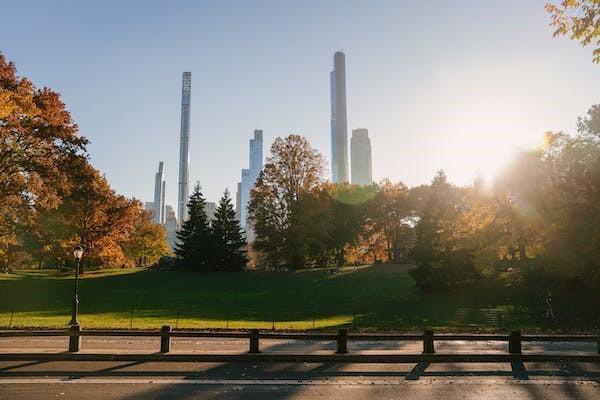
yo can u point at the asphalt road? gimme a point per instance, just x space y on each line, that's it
33 380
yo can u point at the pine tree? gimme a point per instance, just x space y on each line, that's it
228 237
193 248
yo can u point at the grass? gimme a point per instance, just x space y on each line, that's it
379 296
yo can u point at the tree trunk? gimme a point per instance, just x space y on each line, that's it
522 252
340 260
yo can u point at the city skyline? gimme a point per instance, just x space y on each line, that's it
491 86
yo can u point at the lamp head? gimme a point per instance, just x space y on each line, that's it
78 252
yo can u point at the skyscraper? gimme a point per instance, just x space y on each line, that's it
339 128
238 202
249 176
158 215
360 152
184 147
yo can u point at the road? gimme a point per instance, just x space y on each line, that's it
33 380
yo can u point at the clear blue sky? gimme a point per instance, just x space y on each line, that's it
456 85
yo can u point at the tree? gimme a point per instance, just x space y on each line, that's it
443 255
580 19
147 242
96 218
38 148
390 214
293 171
349 204
228 237
194 248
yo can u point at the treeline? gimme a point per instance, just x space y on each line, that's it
538 221
51 198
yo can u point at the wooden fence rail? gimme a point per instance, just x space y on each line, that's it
341 337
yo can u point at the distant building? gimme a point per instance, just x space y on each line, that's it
209 209
339 128
360 151
159 195
184 147
238 201
249 176
149 207
171 226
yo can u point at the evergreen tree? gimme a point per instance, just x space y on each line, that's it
193 248
228 237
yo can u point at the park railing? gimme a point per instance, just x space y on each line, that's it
514 340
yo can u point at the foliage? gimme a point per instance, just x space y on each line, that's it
38 148
292 172
228 237
390 213
580 19
349 205
147 243
51 198
194 248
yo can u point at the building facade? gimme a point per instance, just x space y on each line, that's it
360 154
210 208
339 124
170 226
184 147
249 176
158 215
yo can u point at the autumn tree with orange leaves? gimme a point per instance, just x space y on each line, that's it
51 198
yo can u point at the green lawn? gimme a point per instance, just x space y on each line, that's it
379 296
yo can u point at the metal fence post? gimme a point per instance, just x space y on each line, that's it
514 342
273 325
342 342
254 341
74 338
165 339
428 342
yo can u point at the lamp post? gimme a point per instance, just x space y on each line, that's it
78 253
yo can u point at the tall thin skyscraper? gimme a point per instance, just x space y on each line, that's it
158 215
184 147
360 153
339 125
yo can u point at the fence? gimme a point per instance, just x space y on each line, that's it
514 340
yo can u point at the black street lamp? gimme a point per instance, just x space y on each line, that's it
78 253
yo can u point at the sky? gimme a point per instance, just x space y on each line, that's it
450 85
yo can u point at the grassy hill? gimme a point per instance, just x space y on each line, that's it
379 296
